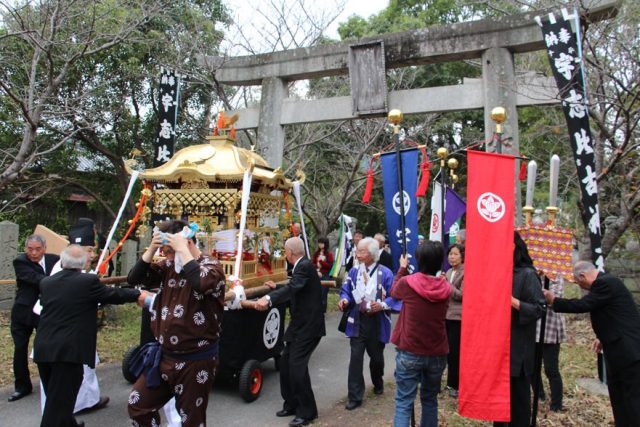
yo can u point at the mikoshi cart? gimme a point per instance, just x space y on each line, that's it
204 184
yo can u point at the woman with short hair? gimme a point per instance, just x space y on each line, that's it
420 334
455 276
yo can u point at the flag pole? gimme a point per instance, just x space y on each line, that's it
395 116
442 155
499 115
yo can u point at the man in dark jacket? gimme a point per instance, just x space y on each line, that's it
303 334
66 337
31 266
616 323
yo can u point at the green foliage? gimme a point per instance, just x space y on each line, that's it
51 212
105 103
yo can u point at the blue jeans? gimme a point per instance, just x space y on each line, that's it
412 369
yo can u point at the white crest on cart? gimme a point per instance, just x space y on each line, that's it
271 329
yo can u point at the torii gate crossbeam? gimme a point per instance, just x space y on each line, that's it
494 41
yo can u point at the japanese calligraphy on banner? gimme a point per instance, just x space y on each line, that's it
392 200
167 116
562 37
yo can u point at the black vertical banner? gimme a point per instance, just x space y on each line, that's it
167 116
561 36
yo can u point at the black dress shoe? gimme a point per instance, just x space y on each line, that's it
285 413
17 395
378 391
352 404
297 421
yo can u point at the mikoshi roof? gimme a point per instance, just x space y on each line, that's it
218 161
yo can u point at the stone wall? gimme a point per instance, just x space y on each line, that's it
9 244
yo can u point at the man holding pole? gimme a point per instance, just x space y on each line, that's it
305 330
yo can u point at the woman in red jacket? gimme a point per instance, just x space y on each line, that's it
323 260
420 334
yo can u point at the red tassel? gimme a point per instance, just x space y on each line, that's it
523 171
369 187
424 180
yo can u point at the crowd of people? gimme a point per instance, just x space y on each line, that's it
187 314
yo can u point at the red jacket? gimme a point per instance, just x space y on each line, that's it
326 264
420 328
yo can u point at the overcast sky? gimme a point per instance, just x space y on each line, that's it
243 11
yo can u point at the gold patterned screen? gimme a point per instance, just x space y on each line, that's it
195 202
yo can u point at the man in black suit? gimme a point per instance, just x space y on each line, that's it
30 267
66 337
616 322
303 334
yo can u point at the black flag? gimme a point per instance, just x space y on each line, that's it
167 116
561 35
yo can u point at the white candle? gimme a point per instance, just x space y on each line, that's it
531 181
553 180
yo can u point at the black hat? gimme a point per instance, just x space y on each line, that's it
82 233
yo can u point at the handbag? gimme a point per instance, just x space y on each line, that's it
342 326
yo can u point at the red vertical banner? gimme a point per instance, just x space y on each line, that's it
488 272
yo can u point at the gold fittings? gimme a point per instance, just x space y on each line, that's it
395 116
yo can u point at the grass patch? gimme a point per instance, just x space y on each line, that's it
120 331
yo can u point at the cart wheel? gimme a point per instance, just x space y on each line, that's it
276 362
128 355
250 383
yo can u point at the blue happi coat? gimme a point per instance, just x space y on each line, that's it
383 294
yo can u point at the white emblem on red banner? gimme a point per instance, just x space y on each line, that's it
491 207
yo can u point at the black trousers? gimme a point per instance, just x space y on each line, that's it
369 340
551 357
23 323
520 402
61 382
453 358
624 393
295 383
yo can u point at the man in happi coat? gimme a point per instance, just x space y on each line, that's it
185 318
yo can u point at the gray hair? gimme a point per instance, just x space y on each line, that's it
73 257
372 246
36 238
296 246
581 267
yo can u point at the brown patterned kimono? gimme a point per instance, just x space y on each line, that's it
185 319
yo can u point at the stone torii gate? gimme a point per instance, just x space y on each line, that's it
494 41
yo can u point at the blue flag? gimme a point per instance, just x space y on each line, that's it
391 190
